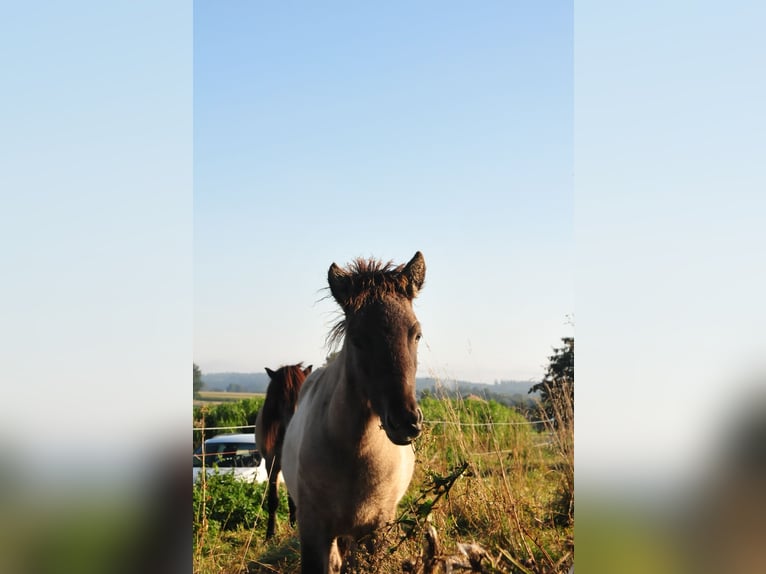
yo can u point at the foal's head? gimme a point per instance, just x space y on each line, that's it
382 333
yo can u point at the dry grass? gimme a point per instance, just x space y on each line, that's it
505 487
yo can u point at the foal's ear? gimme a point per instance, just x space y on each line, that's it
270 373
340 284
415 272
307 370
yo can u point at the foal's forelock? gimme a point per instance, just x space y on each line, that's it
368 281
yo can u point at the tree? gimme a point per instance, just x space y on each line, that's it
557 387
198 382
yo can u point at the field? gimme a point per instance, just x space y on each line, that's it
484 475
217 397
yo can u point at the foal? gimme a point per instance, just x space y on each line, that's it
270 425
347 459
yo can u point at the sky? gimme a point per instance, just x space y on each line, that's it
333 131
669 209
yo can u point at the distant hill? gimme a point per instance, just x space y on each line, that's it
500 388
237 382
503 391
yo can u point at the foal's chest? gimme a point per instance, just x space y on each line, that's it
374 485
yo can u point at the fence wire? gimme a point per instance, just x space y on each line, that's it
454 423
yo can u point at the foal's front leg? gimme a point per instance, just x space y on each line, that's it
335 560
318 555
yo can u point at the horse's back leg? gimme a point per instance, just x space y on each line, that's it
273 499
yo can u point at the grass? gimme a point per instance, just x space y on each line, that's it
483 475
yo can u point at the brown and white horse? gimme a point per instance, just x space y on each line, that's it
270 425
347 458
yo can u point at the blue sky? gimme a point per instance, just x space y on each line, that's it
327 132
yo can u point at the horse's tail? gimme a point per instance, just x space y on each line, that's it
271 423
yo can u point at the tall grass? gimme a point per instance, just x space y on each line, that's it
560 427
508 498
483 475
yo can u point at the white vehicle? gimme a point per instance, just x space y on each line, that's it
232 453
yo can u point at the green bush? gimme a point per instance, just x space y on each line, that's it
231 504
225 415
468 411
471 417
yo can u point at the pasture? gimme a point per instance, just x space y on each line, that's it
217 397
483 475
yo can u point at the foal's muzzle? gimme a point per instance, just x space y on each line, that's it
404 429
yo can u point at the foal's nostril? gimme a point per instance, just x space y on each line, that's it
415 423
407 428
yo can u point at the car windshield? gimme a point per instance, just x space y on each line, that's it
228 454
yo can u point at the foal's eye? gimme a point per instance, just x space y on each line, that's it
418 336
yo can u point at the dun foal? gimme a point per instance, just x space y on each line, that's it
270 425
347 459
